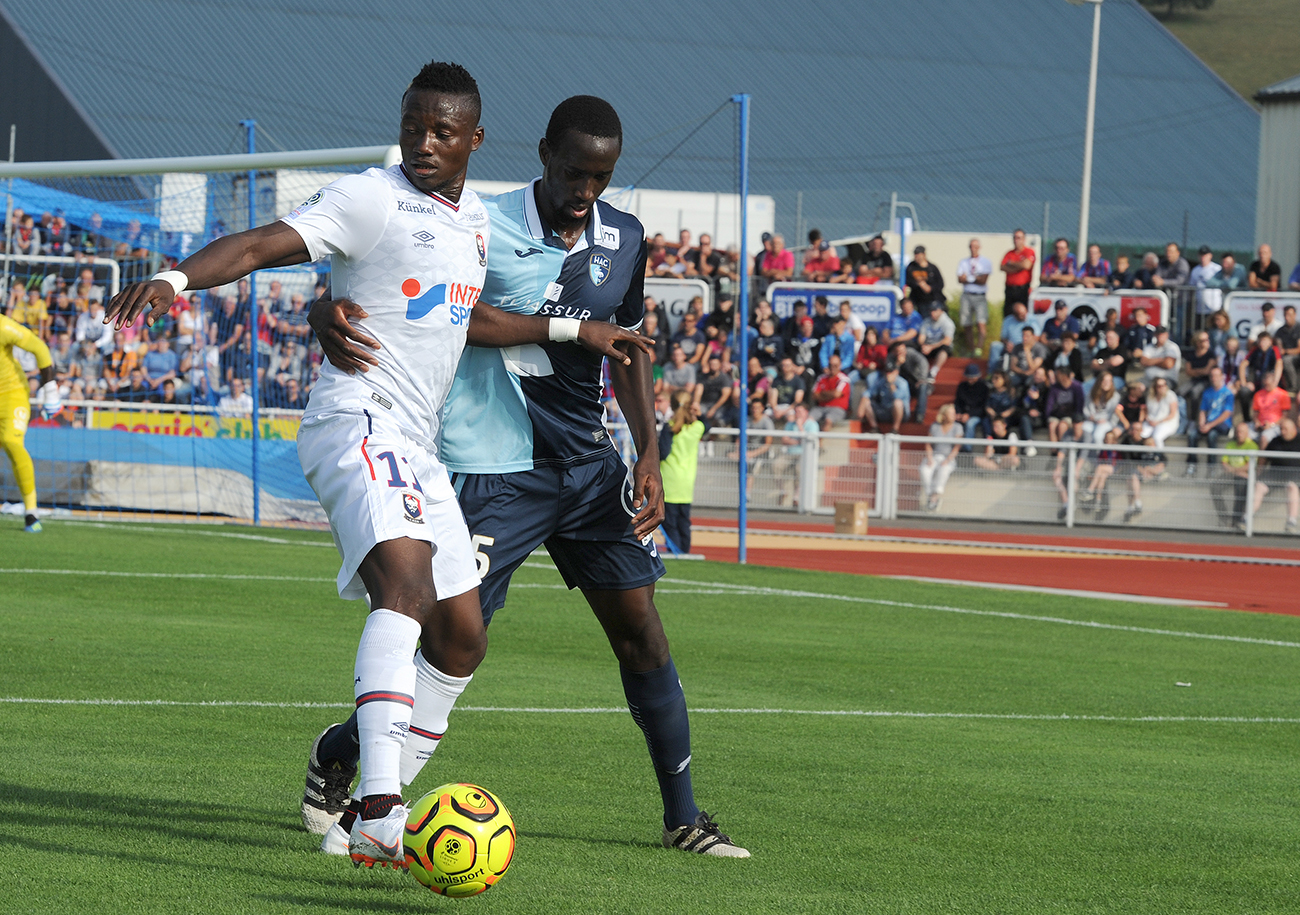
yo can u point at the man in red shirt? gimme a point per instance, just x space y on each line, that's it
1269 404
1018 265
778 264
821 264
831 396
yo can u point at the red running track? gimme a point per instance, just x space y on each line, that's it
1240 586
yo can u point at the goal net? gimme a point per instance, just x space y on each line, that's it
162 421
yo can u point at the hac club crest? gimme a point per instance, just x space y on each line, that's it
412 506
482 250
599 268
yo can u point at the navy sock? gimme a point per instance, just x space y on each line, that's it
658 705
341 743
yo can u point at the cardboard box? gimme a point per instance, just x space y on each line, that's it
850 517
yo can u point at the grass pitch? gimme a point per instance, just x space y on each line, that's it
968 791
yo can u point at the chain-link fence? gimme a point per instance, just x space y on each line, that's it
1068 483
1122 486
115 457
119 458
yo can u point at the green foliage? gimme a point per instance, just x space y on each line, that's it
159 809
1249 43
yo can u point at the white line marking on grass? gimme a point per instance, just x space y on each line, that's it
942 608
215 703
616 710
708 589
1064 592
181 528
206 575
115 574
1087 624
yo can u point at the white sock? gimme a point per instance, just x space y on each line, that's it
435 694
385 692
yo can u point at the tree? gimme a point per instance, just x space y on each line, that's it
1169 6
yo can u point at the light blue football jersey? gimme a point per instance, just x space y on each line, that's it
485 418
512 409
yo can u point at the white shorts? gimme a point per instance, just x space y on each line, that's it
377 484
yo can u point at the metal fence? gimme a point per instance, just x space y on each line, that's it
191 462
130 458
791 471
1075 484
1068 483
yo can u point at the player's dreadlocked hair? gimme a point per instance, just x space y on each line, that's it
447 78
587 115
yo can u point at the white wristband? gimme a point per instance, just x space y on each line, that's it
179 281
564 330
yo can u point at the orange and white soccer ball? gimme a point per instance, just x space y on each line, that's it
459 840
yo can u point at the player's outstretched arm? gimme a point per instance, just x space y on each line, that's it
634 387
490 326
223 261
349 350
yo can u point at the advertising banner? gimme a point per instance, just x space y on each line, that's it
874 304
199 425
674 297
1089 307
1244 308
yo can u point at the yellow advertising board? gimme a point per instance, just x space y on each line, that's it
200 425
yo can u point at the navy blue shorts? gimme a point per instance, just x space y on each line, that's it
581 513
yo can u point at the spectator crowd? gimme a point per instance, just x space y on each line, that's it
1110 386
203 351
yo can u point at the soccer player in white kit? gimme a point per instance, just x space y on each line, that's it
409 244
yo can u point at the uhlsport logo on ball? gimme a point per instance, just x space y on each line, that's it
459 840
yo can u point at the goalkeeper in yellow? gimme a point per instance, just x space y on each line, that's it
15 408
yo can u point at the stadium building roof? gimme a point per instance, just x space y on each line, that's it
1286 90
973 111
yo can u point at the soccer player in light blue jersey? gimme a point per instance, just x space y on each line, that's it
523 434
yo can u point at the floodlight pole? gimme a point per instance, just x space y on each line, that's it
741 317
1086 195
250 126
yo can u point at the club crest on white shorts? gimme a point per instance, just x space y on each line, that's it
411 505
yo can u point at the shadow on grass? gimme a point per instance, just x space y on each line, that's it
182 861
172 818
316 903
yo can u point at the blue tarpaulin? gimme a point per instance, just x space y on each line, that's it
36 199
280 473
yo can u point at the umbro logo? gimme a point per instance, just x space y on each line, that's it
423 236
529 253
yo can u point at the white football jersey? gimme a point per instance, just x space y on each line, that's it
415 262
